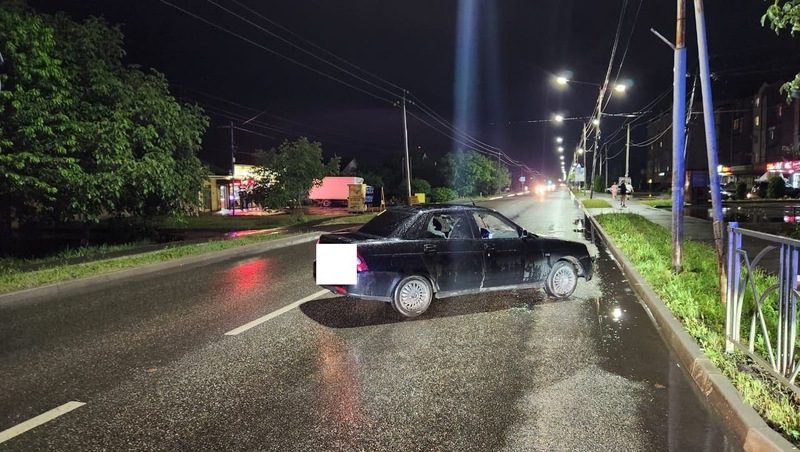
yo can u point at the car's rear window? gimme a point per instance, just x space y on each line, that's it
386 223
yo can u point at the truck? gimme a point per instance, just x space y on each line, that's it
333 190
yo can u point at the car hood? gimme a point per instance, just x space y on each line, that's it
555 245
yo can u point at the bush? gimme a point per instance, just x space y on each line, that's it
741 190
420 186
776 187
443 194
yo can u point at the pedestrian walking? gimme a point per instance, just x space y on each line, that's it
614 189
623 194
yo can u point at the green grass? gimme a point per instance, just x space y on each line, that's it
595 203
657 202
237 222
12 279
693 296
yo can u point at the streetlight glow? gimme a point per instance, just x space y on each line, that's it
580 151
596 122
561 149
558 118
561 80
620 88
559 140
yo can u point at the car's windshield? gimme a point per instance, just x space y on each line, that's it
386 223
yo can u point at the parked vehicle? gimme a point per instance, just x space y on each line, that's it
759 190
333 190
409 255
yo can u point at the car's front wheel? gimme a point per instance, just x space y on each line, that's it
562 280
412 296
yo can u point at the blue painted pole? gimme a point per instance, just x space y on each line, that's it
711 142
678 137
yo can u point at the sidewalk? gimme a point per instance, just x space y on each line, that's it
694 228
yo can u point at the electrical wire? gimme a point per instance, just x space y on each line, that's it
300 48
337 57
276 53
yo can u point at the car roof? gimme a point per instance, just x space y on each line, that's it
431 207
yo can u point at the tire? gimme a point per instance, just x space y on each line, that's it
412 296
562 280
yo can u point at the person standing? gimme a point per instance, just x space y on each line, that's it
614 189
623 193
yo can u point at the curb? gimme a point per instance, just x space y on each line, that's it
750 430
105 279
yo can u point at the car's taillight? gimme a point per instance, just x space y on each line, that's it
361 264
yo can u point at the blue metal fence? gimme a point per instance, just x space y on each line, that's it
771 339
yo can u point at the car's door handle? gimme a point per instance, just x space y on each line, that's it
429 248
488 247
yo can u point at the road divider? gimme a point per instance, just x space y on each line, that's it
43 418
274 314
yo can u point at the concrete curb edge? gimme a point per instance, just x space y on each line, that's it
744 422
75 285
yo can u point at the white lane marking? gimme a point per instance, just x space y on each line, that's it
48 416
274 314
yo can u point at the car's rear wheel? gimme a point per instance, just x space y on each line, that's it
562 280
412 296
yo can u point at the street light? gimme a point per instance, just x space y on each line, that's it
561 149
558 118
596 122
559 140
562 80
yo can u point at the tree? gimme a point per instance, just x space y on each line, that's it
776 187
470 173
286 174
781 15
420 186
443 194
82 135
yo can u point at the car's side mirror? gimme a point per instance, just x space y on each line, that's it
523 232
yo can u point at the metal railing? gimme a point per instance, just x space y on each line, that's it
772 339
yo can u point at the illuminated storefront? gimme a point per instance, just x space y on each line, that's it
788 169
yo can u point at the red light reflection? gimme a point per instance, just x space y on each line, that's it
247 276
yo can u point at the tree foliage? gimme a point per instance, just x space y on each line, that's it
470 173
286 174
783 15
776 187
81 134
420 186
443 194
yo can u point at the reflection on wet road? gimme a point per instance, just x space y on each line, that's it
508 371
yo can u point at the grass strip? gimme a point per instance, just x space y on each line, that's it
595 203
693 297
12 279
657 202
210 221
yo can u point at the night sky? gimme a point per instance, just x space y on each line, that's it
412 43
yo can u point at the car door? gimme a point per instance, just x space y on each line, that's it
504 253
452 254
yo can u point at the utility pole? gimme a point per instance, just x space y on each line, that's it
231 197
605 154
583 148
594 157
711 141
405 143
627 151
678 136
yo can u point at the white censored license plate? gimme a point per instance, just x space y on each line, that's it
336 264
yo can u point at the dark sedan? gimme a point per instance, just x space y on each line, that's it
408 255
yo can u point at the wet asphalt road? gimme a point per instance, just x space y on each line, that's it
509 371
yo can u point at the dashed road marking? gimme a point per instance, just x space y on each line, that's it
274 314
45 417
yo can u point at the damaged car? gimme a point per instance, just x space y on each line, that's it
407 256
